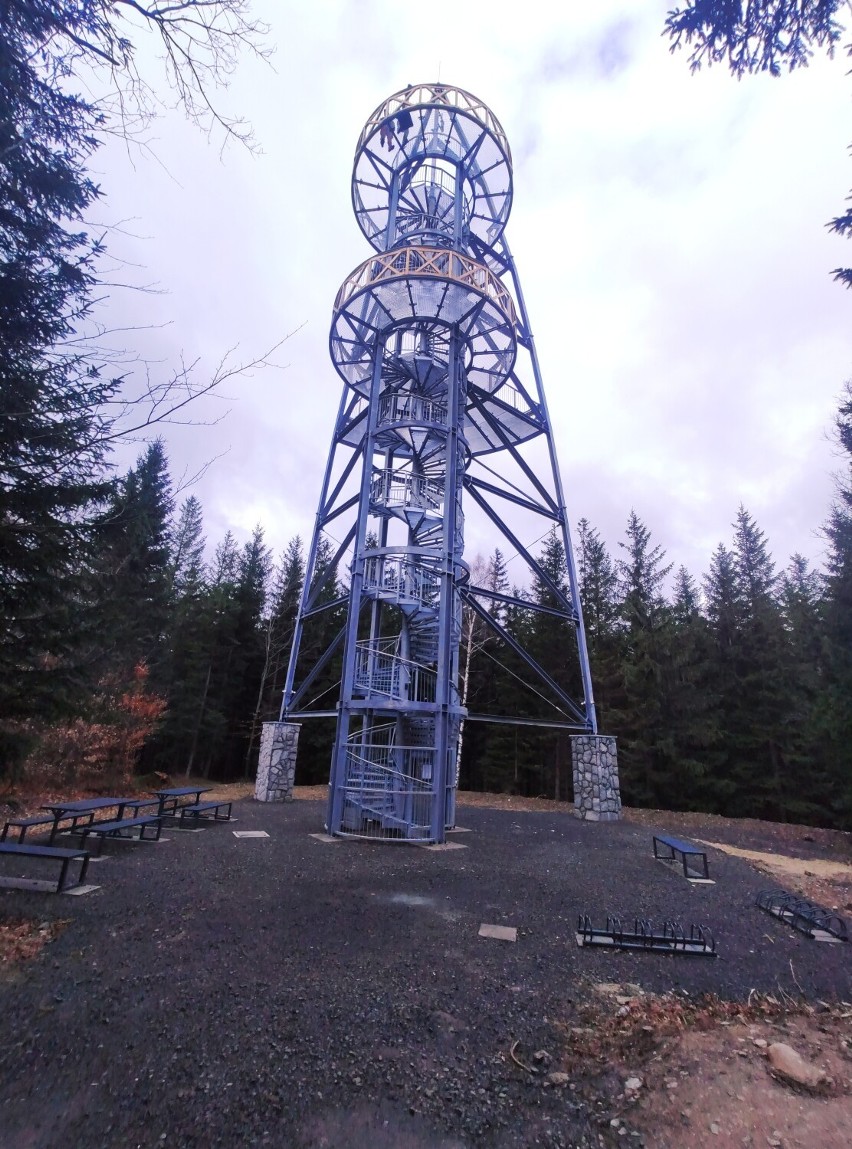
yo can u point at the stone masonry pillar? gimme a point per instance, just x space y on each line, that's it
276 764
596 793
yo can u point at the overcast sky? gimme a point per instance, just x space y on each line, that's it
668 230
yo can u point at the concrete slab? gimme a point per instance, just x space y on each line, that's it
328 838
250 833
499 933
436 846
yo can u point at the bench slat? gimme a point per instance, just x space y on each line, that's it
114 827
104 830
677 844
54 853
40 851
686 851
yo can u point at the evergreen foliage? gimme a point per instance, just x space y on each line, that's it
762 36
836 700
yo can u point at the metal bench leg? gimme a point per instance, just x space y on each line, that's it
63 875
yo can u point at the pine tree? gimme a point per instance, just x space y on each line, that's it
186 556
553 644
206 721
189 645
279 627
52 455
317 735
690 734
135 568
724 615
599 597
758 746
646 769
837 700
241 658
808 791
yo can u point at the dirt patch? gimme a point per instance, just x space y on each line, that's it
715 1090
825 881
696 1073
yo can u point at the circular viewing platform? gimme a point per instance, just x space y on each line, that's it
418 140
428 284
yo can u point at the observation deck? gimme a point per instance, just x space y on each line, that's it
432 285
424 154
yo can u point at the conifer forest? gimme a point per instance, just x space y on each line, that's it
131 642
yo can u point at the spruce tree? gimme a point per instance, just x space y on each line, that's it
808 790
837 699
278 629
52 454
724 616
317 735
190 629
690 735
599 597
646 768
134 573
759 763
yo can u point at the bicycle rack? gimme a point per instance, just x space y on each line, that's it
672 938
808 918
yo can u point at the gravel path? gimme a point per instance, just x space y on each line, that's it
286 992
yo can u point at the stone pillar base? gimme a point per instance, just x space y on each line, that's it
596 793
276 765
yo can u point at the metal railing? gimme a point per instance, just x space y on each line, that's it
402 489
432 263
440 95
398 679
403 580
404 408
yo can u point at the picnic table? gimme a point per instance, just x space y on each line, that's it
81 810
169 799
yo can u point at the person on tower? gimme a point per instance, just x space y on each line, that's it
386 134
404 123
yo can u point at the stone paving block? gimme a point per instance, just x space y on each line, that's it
499 933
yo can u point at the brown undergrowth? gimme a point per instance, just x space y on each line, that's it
22 939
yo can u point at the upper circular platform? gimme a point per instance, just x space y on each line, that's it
417 286
426 135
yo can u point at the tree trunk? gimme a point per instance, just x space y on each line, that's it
197 730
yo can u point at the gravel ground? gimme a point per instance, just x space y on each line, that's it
287 992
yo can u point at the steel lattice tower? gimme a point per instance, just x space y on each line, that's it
442 391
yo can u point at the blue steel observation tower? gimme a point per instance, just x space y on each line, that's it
442 396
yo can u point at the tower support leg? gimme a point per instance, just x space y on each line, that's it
596 791
276 766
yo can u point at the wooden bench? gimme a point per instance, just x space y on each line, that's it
23 824
64 857
103 830
205 812
686 851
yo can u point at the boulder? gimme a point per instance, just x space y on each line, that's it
792 1066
